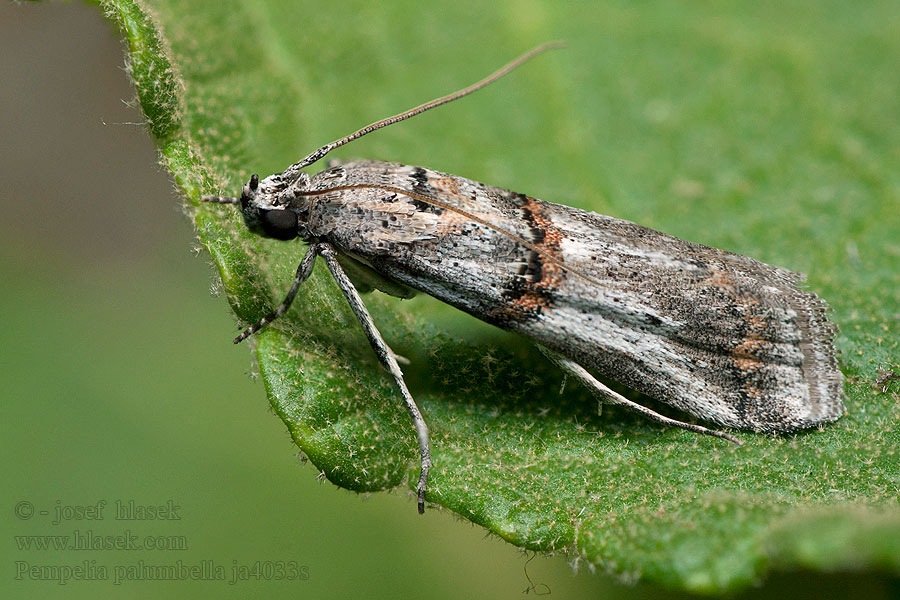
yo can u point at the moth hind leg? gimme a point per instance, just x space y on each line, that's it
605 395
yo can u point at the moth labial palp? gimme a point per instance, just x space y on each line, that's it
723 337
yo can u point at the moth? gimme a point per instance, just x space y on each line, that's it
720 336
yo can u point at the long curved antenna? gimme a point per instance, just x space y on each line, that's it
293 171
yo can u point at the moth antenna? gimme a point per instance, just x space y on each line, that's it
219 200
293 171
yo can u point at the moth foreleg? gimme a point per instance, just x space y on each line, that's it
388 360
605 394
304 270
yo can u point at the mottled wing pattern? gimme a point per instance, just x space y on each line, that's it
718 335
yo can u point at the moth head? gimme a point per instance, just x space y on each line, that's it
262 212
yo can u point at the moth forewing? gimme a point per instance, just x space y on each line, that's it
721 336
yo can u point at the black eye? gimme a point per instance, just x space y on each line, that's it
279 224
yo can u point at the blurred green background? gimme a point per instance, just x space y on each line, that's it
121 383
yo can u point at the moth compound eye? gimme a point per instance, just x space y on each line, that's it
254 182
279 224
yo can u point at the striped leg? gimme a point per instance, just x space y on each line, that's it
604 394
388 360
303 272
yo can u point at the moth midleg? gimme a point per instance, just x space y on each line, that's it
304 270
388 360
605 394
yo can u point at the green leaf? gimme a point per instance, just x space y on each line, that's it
768 129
